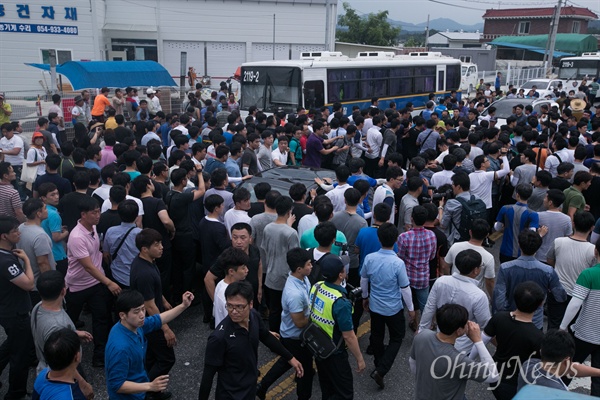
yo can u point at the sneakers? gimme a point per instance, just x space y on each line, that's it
378 379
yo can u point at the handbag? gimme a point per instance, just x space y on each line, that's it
315 339
29 173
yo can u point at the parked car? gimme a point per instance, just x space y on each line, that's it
282 178
504 108
545 87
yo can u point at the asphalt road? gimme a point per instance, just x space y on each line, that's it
192 335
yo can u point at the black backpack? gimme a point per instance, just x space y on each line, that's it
315 275
472 209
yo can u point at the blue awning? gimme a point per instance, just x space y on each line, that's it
112 74
557 54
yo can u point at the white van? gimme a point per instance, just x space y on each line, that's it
469 75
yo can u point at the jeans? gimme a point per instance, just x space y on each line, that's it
164 266
335 377
384 357
420 297
99 301
302 354
16 351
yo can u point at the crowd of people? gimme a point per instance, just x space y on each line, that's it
108 221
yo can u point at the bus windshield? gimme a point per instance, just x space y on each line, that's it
270 88
578 69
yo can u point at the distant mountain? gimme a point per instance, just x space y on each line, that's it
440 24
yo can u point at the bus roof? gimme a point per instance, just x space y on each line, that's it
584 56
346 62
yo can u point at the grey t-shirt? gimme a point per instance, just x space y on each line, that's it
559 225
536 201
264 157
277 240
524 173
349 225
35 242
435 379
532 374
258 224
43 324
404 214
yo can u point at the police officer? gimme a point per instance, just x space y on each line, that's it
332 312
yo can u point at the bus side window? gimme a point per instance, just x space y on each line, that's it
314 94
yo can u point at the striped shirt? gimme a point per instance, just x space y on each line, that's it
416 247
10 200
587 288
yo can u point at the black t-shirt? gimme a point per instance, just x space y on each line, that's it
108 219
164 189
256 208
13 300
441 251
145 278
592 197
213 240
299 210
559 183
514 338
253 263
150 219
249 158
70 173
178 204
68 207
63 185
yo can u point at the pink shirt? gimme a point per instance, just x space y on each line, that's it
82 243
107 156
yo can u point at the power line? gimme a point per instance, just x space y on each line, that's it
454 5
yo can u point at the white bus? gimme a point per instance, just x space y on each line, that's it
323 78
574 69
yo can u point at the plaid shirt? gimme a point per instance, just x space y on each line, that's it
416 247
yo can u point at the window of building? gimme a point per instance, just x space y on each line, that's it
62 56
524 27
576 26
465 59
136 49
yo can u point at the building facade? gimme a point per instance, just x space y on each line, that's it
455 40
212 36
534 21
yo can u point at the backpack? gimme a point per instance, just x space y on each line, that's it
315 275
472 209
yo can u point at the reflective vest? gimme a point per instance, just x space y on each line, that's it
322 311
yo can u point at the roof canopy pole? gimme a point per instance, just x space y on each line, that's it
549 55
52 57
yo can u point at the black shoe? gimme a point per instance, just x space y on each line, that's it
98 363
260 392
369 350
378 379
158 395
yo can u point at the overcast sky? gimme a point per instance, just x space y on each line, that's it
464 11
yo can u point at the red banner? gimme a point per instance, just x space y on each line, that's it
67 106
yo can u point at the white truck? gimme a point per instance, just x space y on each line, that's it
469 75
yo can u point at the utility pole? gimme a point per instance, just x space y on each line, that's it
427 34
549 54
273 36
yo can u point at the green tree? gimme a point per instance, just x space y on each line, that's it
372 29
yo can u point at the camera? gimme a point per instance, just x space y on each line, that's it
354 293
439 193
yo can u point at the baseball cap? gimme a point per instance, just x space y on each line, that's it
77 99
37 135
150 91
331 266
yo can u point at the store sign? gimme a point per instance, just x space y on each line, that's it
34 28
50 13
23 11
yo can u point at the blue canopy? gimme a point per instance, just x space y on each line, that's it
535 49
112 74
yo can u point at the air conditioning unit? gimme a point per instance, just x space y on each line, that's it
375 55
323 55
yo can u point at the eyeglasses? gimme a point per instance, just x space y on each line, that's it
236 307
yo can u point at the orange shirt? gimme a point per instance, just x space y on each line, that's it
100 104
543 156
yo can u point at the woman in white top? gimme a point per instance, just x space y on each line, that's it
36 156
